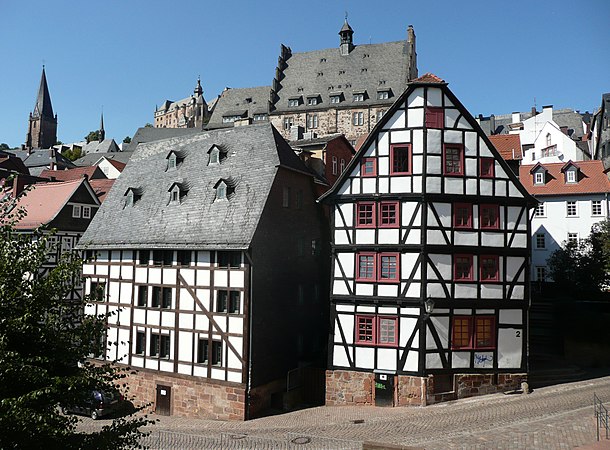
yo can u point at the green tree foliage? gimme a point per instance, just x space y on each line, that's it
93 136
583 266
73 153
127 140
44 344
4 146
148 125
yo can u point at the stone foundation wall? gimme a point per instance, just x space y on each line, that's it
344 387
190 396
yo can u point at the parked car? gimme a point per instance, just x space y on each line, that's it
97 404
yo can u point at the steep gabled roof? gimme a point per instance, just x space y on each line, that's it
93 158
101 187
43 107
151 134
254 154
245 101
76 173
508 145
44 201
428 78
592 179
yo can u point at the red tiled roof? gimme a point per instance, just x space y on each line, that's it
361 140
101 188
44 201
118 165
591 179
73 174
428 78
508 145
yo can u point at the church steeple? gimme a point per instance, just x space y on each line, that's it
346 33
42 129
102 133
198 88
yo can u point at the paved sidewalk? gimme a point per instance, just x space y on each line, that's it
556 417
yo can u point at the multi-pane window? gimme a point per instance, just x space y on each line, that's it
540 240
142 295
596 207
369 167
473 332
234 300
400 156
454 164
76 210
156 297
358 118
221 301
312 120
202 351
571 176
335 99
335 165
571 208
216 353
359 97
227 301
288 122
462 267
434 117
462 215
167 298
539 178
86 212
140 342
383 95
489 267
227 259
486 167
159 345
342 165
540 273
388 214
312 101
489 216
377 330
381 267
366 267
293 102
573 238
539 211
365 215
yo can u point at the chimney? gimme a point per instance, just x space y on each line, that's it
296 133
492 124
516 117
18 185
53 163
534 111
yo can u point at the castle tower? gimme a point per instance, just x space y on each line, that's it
347 43
42 126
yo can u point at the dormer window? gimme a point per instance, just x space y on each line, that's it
336 97
174 159
358 96
383 95
294 101
571 176
225 188
539 178
312 101
177 192
217 154
132 195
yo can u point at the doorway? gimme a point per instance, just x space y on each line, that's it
163 403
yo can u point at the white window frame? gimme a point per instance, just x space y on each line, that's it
359 97
570 203
572 237
358 118
334 160
383 95
334 99
596 204
571 176
312 101
221 191
76 211
539 178
540 210
86 212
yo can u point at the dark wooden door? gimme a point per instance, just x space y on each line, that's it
164 400
384 389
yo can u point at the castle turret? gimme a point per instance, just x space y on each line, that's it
347 43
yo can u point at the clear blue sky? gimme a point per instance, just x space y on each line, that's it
130 55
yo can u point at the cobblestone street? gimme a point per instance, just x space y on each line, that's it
556 417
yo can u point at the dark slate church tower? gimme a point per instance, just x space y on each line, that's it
42 129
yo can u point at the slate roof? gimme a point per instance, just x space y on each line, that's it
369 67
150 134
44 201
508 145
43 105
200 221
562 117
316 141
38 160
105 146
592 179
77 173
246 101
92 158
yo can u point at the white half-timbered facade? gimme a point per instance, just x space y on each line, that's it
427 213
207 253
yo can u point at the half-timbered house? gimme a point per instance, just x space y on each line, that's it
209 248
430 248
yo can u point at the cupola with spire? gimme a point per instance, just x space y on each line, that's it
42 127
198 88
347 43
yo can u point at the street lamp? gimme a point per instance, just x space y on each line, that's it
429 305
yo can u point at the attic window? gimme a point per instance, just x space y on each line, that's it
294 101
383 95
217 155
132 195
224 189
174 159
571 176
322 60
312 100
221 191
177 192
359 97
539 177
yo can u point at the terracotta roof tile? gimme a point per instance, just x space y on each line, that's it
73 174
118 165
591 180
508 145
101 188
428 78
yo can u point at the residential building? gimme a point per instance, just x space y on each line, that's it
210 247
190 112
345 89
241 106
572 196
430 260
42 123
599 137
150 134
38 160
509 148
